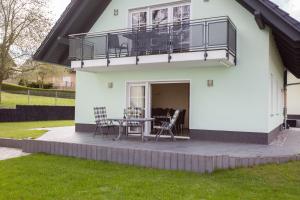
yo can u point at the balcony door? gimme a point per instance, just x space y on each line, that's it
160 15
138 96
160 18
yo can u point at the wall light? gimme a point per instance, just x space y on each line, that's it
210 83
116 12
110 85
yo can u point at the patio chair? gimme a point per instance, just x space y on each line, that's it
101 120
114 44
168 126
136 113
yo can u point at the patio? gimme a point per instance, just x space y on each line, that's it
287 144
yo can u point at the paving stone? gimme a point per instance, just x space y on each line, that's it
143 158
180 161
218 162
251 162
148 158
161 160
167 160
238 162
114 155
131 156
119 155
195 163
245 162
137 157
188 162
155 159
94 152
232 163
174 161
225 162
125 156
202 164
209 164
75 150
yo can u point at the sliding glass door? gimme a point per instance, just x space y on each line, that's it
138 97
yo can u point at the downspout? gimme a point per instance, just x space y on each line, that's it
285 84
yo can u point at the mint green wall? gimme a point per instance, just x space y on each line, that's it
277 70
239 100
293 98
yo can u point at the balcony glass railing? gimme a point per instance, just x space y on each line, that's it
178 37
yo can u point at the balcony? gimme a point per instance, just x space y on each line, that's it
196 43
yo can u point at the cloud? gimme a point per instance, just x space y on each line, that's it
290 6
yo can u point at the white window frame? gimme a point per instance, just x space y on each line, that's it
149 10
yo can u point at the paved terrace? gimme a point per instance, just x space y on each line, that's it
287 144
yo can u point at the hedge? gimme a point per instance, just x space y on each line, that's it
17 89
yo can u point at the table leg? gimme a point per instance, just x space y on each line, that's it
143 132
120 132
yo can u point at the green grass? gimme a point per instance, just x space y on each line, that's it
11 100
44 177
22 130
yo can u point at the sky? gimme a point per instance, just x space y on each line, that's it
291 6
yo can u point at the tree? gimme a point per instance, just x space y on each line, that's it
23 25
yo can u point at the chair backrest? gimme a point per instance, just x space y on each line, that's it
100 115
133 112
113 41
174 118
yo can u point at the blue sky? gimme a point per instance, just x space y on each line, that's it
291 6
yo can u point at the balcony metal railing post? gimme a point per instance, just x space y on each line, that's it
137 47
107 49
228 39
205 40
235 47
82 51
170 42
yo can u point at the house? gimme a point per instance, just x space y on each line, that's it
293 100
224 62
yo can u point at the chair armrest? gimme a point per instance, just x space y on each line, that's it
124 44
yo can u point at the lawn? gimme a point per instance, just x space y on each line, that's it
11 100
22 130
44 177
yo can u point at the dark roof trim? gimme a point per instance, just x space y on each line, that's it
285 29
79 16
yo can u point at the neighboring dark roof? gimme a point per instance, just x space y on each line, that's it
80 16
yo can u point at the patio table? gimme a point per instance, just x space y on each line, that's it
122 123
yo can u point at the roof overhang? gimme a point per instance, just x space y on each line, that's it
81 15
78 17
285 29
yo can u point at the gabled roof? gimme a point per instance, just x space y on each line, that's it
286 31
80 16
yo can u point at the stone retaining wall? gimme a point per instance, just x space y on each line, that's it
152 159
11 143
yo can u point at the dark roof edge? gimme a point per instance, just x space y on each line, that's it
55 29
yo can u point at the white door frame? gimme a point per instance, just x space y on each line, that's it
148 96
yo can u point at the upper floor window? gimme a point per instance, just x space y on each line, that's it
139 19
160 15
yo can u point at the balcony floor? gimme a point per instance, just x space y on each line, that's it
178 60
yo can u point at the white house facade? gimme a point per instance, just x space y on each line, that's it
222 61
